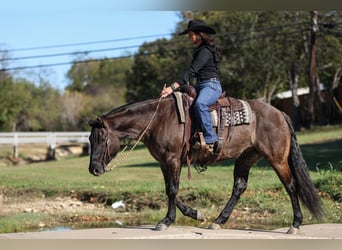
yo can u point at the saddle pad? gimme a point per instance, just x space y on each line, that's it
236 117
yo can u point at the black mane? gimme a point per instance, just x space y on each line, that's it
134 106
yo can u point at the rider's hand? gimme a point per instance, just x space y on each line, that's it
166 91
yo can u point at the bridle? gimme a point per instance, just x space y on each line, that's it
107 151
112 164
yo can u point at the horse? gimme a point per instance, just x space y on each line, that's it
269 135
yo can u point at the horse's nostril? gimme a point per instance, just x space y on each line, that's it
96 171
96 168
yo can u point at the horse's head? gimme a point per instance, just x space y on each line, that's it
104 146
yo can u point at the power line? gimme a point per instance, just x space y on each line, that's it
70 53
62 63
73 62
133 46
123 57
139 37
84 43
253 36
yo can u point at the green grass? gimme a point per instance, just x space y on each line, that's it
320 134
21 222
322 146
139 183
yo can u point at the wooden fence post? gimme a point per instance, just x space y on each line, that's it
15 146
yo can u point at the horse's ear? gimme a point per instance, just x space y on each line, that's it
91 122
98 122
87 120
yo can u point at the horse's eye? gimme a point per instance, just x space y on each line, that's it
102 140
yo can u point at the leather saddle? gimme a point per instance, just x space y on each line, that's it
226 112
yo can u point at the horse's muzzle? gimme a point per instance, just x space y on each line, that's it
97 169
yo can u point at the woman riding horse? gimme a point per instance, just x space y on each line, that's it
269 135
204 67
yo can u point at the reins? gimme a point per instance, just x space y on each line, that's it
112 164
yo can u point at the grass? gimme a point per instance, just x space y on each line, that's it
139 183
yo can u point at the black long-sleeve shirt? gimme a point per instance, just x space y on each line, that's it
203 66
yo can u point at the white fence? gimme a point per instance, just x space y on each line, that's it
51 139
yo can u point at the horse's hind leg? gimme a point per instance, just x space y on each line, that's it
284 173
241 172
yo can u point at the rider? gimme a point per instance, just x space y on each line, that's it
204 67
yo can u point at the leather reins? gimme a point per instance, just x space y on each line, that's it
112 164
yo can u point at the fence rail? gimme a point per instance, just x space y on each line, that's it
51 139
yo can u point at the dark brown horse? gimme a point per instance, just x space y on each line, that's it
269 135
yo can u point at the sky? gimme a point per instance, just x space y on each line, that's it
39 23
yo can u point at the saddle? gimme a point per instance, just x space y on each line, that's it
226 112
229 112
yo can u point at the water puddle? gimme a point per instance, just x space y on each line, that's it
57 229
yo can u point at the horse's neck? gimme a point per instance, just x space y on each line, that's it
131 120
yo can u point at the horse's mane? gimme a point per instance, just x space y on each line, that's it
133 106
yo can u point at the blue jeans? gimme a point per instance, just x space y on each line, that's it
207 94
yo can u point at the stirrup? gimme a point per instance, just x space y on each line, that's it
200 168
197 145
211 148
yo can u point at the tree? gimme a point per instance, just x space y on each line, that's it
264 53
102 84
329 63
297 49
72 106
47 118
16 102
155 64
81 75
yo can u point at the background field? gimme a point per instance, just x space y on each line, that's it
62 194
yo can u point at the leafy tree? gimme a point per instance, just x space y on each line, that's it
253 56
264 53
16 100
329 61
47 109
102 82
81 75
155 64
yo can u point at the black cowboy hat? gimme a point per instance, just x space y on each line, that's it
198 26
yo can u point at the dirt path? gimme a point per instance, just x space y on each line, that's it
68 204
316 231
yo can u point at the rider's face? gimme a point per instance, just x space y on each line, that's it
194 38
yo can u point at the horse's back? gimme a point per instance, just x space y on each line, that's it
267 116
272 132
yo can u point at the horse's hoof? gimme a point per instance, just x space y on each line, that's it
215 226
161 227
293 230
200 216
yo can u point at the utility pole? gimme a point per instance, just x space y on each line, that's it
312 68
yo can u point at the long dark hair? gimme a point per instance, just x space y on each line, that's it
208 39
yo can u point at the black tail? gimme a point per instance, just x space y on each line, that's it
306 190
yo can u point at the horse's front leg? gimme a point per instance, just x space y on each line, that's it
189 211
171 173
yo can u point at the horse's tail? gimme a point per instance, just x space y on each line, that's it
304 186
